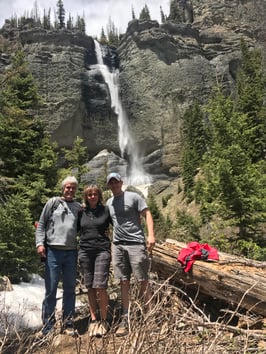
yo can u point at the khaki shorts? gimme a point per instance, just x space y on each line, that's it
128 259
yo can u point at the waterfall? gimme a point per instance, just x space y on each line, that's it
128 148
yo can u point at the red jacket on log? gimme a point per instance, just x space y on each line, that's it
194 250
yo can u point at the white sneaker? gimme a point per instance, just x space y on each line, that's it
102 328
93 328
122 329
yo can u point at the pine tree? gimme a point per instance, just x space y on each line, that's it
163 17
56 23
27 159
61 13
112 34
175 13
28 170
75 160
162 225
17 98
145 14
133 13
17 252
14 21
49 19
70 25
80 24
103 38
195 138
251 101
233 187
45 20
35 14
40 182
83 24
21 93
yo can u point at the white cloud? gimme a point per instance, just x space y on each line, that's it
96 12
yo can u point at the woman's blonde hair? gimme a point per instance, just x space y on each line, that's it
92 188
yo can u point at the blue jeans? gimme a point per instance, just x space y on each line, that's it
59 263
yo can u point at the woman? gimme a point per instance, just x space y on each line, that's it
95 256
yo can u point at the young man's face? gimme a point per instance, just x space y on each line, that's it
115 186
69 191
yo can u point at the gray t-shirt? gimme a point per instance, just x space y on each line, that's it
125 212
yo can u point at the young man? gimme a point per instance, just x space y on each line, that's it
56 244
129 250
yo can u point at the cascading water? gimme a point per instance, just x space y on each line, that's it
136 174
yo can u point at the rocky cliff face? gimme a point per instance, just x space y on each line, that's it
77 102
163 69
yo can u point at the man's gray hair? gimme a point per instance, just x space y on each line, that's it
69 179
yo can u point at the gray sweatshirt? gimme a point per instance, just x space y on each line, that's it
57 226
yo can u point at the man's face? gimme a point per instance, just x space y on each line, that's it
69 191
115 186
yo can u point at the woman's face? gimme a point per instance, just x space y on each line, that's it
93 198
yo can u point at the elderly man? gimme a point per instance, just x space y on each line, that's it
56 243
130 249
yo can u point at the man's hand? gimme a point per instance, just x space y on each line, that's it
41 251
150 243
149 222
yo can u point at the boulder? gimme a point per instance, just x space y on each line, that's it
5 284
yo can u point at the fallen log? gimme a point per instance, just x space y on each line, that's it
235 280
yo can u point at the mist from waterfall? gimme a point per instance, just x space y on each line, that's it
128 148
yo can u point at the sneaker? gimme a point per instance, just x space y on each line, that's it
69 329
122 329
45 331
102 329
39 335
93 327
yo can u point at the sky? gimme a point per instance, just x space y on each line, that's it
97 13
